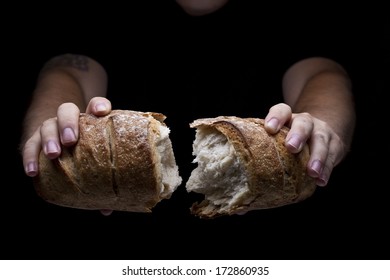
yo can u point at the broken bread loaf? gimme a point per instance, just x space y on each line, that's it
123 161
242 168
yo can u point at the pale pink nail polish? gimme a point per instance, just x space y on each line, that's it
31 168
68 135
273 124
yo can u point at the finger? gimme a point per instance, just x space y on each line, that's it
277 116
50 138
30 154
319 150
68 123
301 129
330 163
323 180
106 212
99 106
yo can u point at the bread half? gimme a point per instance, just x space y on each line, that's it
123 161
242 168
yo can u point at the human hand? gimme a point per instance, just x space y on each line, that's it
59 131
326 147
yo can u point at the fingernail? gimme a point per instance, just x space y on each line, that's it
324 177
273 124
295 142
316 166
106 212
31 169
51 147
100 107
68 135
321 182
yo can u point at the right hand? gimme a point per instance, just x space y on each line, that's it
59 131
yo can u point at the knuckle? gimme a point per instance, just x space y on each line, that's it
285 107
306 116
320 136
304 119
281 106
47 123
66 106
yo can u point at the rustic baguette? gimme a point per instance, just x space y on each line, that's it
242 168
123 161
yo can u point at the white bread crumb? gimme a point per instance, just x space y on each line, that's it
220 175
170 173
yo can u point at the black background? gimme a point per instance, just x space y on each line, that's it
345 220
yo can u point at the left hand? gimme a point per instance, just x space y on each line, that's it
326 147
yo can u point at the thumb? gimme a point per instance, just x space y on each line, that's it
99 106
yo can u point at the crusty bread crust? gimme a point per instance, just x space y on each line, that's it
276 177
114 165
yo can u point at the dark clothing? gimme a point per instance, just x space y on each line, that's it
227 63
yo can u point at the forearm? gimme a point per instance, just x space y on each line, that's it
66 78
325 93
52 90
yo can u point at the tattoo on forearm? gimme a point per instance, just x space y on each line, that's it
79 62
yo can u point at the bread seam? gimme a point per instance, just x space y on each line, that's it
59 166
280 161
109 129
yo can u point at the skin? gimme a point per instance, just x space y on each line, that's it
201 7
318 107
